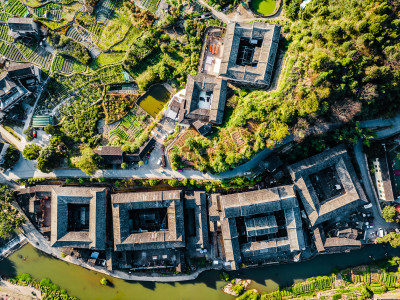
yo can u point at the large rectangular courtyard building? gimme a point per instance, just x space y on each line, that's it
261 226
249 53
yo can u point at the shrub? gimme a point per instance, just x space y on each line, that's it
153 182
49 129
389 213
124 165
173 182
104 281
32 151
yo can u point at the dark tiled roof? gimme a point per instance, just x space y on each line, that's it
111 155
18 71
265 55
250 205
122 203
60 198
353 193
190 106
198 202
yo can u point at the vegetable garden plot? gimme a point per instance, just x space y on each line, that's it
11 52
112 74
4 16
37 55
51 7
128 129
58 63
4 33
16 8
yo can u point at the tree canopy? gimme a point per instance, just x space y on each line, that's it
32 151
48 159
10 219
389 213
342 64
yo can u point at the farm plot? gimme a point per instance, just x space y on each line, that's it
113 33
116 29
117 106
4 16
58 63
4 33
111 75
50 7
81 35
11 52
127 129
128 40
36 55
16 8
104 10
151 5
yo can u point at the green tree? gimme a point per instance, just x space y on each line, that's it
32 151
153 182
28 133
104 281
392 238
10 219
48 159
173 182
49 129
89 162
389 213
124 165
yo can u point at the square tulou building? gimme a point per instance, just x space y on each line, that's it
249 53
78 217
156 229
327 185
262 225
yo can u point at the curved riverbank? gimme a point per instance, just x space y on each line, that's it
206 286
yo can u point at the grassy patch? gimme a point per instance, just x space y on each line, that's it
128 40
116 29
110 75
109 59
264 7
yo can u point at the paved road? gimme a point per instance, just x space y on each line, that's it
361 159
237 17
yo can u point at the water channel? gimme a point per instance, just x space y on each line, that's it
85 285
154 99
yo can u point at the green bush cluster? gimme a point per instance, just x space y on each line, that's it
50 291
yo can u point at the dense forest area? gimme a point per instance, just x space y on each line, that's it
342 64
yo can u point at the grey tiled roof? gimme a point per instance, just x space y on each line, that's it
262 73
96 198
250 205
198 202
190 106
122 203
353 196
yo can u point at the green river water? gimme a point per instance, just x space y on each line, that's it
85 285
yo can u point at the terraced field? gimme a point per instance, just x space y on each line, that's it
37 55
58 63
11 52
80 35
4 16
16 8
51 7
128 128
105 10
112 74
4 33
151 5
